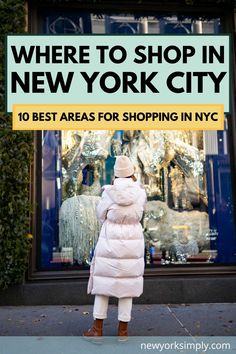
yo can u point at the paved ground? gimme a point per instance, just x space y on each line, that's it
147 320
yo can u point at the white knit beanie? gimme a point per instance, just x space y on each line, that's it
123 167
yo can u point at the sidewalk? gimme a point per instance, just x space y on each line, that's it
147 320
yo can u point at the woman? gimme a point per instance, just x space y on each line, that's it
118 263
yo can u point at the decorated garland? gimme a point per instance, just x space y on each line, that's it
15 158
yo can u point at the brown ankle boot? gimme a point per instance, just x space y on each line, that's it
123 331
95 330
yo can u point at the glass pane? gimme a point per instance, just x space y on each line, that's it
51 194
186 174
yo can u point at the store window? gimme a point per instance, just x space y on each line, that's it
187 175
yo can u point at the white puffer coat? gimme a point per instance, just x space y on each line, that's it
118 263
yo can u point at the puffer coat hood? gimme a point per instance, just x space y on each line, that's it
118 263
124 192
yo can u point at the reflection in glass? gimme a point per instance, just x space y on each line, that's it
51 196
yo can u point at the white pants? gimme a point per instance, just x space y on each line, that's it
101 305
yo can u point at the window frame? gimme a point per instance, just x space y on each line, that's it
35 13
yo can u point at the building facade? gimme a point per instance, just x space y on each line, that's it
189 176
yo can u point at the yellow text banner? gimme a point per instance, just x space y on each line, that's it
118 117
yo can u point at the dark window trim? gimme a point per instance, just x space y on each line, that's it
204 8
227 19
149 273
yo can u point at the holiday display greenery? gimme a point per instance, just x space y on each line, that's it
16 149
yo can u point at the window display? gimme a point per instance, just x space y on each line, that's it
172 166
186 175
